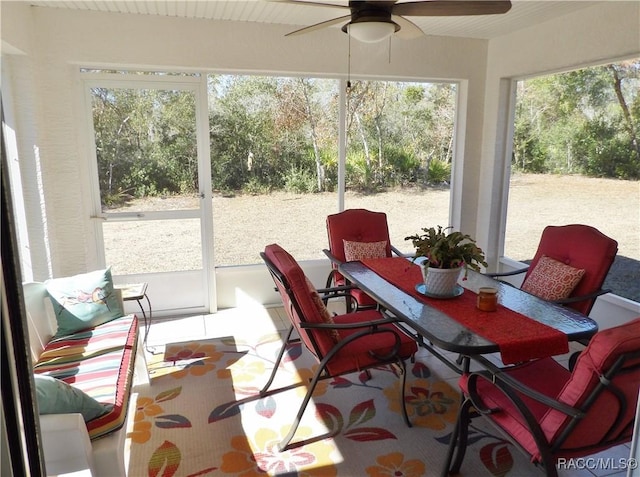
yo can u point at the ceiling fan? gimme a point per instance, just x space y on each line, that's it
375 20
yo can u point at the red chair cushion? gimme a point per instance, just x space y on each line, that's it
582 247
357 354
298 283
572 388
603 350
356 225
546 376
352 357
361 297
322 309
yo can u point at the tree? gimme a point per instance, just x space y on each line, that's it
580 121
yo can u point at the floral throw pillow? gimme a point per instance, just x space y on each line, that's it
552 280
362 250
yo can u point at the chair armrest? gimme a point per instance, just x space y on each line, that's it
507 274
397 252
66 444
334 260
349 326
507 384
575 299
331 291
334 267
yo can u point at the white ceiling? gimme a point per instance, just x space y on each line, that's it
523 13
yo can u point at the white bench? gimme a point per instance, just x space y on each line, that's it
66 443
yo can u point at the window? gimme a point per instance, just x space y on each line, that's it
274 156
576 160
273 164
400 153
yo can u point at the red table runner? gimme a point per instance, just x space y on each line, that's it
518 337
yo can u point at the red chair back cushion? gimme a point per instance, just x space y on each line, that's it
581 247
356 225
298 283
601 353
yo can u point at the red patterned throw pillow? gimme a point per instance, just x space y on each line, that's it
552 280
322 309
361 250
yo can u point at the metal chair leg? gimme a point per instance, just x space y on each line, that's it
403 400
278 359
284 444
459 439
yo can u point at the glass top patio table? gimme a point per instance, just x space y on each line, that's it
445 332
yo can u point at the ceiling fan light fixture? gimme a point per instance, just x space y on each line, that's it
372 31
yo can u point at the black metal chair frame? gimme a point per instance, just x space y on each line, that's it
472 406
563 301
367 328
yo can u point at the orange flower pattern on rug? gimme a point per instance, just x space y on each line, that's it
394 465
203 415
313 460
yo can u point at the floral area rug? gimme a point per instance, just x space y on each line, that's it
202 416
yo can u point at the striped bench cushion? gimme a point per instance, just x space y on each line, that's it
100 362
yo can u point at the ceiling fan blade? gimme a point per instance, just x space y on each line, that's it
320 25
312 4
408 29
451 8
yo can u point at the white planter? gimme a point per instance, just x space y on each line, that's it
440 281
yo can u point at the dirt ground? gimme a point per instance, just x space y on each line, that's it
244 224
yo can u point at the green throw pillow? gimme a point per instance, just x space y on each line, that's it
57 397
83 301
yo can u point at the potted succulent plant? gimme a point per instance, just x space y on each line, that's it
446 253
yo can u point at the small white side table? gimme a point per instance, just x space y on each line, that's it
138 292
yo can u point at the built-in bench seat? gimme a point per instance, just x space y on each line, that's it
100 361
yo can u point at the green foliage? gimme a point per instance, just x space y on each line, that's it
255 187
360 172
300 181
268 133
439 171
402 166
583 122
447 250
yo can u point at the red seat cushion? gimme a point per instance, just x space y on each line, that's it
356 225
357 354
603 349
571 388
297 280
546 376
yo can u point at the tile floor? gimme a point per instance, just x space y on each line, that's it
258 320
